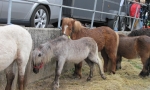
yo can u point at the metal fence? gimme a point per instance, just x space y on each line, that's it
93 11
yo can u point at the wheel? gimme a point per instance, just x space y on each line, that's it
112 23
40 17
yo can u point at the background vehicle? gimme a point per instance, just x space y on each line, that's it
108 6
30 13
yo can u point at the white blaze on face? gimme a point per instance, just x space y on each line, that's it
65 28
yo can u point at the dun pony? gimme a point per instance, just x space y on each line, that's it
65 49
105 37
16 45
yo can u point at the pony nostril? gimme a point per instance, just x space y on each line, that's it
35 70
39 55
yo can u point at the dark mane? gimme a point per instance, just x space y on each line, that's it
139 32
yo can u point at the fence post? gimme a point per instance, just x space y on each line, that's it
60 14
9 12
121 3
93 13
134 18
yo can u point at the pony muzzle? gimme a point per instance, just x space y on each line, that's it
36 68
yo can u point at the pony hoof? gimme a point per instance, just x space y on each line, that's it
88 79
117 68
75 76
104 77
143 74
55 86
113 72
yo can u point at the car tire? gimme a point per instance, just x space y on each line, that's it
40 17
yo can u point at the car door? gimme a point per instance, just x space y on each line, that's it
54 9
19 9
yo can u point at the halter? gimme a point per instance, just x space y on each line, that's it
40 66
67 35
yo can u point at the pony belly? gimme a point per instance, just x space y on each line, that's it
8 53
130 56
78 58
5 62
76 61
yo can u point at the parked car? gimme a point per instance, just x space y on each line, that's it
30 13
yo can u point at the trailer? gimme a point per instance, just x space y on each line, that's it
109 15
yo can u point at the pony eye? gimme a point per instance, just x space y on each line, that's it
39 55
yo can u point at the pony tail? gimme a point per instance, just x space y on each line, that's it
117 42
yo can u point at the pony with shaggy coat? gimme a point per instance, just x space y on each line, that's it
139 32
105 37
133 47
16 45
65 49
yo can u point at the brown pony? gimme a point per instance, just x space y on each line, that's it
105 37
132 47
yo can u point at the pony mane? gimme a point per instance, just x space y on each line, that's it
77 26
140 32
66 20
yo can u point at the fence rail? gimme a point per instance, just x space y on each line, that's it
63 6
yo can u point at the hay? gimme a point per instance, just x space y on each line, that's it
125 79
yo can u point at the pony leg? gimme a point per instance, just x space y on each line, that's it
21 72
112 58
106 59
100 65
78 70
9 76
95 58
59 66
91 65
144 71
119 59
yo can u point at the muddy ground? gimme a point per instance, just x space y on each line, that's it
125 79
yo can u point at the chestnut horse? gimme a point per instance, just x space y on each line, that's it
133 47
105 37
15 46
65 49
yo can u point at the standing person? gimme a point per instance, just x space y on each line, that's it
135 6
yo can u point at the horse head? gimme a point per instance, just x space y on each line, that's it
67 26
37 58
